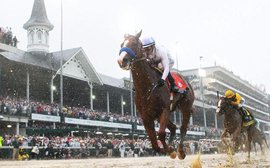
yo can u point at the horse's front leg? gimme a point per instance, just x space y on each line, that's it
224 138
254 145
150 129
235 138
164 121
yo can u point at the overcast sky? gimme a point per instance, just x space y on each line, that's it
233 33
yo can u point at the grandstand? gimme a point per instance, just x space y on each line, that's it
215 82
94 102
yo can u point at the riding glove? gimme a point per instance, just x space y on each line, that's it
161 82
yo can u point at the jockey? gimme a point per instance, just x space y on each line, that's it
238 101
162 59
235 98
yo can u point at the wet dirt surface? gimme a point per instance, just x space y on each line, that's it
208 161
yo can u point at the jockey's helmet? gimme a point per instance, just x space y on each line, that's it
229 94
148 41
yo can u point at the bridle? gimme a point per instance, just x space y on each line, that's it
221 109
133 54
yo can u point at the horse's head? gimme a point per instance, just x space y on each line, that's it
130 50
222 106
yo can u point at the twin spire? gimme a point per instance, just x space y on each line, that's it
38 27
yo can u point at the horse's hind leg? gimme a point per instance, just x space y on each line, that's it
172 127
249 144
185 121
254 145
264 139
262 149
183 130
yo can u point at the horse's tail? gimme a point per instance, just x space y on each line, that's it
264 138
190 87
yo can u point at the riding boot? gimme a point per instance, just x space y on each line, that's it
246 115
173 88
242 113
257 124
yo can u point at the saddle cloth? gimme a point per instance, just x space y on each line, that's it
247 118
179 82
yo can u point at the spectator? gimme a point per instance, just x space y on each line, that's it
130 153
15 144
49 153
22 154
98 147
35 152
1 141
15 41
110 148
192 148
1 144
122 149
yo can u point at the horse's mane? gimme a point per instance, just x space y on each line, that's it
147 63
227 105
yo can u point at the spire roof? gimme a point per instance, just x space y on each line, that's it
38 16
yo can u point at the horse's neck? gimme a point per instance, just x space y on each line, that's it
231 114
143 75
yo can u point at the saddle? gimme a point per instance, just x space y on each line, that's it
247 117
178 80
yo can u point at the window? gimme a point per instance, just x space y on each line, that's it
39 34
31 37
46 37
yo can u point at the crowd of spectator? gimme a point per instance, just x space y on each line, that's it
76 147
19 106
15 106
6 37
67 147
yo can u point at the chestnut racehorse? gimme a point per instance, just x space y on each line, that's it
153 102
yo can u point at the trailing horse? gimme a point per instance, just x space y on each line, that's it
153 102
259 137
233 125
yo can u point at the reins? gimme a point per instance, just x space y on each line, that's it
149 93
135 59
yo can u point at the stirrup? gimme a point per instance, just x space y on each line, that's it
174 89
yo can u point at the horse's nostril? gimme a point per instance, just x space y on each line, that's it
119 62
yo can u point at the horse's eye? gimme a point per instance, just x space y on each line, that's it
125 59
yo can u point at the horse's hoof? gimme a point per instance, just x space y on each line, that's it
173 155
170 149
248 161
181 155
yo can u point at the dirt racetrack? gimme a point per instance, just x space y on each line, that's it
208 161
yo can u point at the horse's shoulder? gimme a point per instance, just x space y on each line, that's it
153 66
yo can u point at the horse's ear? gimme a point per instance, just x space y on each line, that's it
217 94
138 35
126 35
